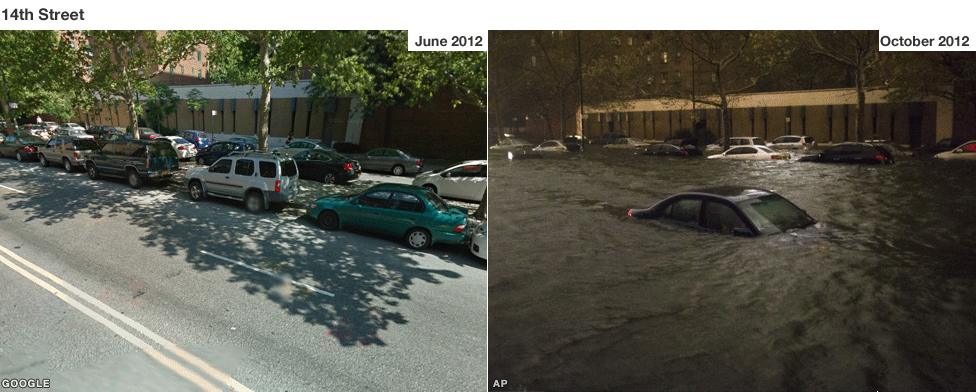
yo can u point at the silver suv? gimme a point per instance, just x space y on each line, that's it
257 178
68 152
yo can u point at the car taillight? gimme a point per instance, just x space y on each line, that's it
181 148
30 149
277 185
420 162
347 166
879 158
459 229
630 212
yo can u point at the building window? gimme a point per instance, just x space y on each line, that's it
199 56
199 74
714 77
664 58
630 41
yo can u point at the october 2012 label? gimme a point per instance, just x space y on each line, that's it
26 14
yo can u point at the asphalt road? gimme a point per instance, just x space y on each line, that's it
103 287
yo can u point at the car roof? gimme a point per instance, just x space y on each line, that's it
395 187
732 193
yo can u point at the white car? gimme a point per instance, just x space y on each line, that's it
966 151
467 180
50 125
510 144
551 146
184 149
627 143
751 153
479 241
793 142
746 141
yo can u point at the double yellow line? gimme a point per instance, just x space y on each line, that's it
191 375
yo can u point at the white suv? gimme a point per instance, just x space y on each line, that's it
257 178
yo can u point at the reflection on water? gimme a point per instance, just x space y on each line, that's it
880 295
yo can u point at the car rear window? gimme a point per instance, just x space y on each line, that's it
773 213
85 144
288 168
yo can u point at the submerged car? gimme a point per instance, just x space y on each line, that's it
852 152
511 144
793 142
966 151
627 143
740 211
551 146
665 149
751 153
413 213
574 143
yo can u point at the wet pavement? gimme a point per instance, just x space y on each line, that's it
878 296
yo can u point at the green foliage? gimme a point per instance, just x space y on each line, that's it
37 72
195 100
160 105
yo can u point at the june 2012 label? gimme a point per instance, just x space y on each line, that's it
425 41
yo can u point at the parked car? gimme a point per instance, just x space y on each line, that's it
51 126
740 211
751 153
185 150
326 166
665 149
137 160
965 151
627 143
511 144
71 127
574 143
252 140
746 141
607 138
71 131
22 147
466 180
218 150
347 148
793 142
199 139
257 178
300 145
69 152
551 146
148 133
389 160
100 132
416 214
37 130
479 241
852 152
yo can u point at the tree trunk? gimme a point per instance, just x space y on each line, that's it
482 211
859 108
130 105
265 109
724 120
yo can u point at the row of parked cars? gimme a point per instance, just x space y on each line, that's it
743 148
260 180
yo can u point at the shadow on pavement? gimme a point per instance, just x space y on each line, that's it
368 275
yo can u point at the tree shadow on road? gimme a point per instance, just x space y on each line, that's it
369 276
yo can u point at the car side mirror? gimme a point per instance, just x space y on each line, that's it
741 232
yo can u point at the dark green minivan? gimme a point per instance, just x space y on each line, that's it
137 161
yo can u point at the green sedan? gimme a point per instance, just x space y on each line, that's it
411 212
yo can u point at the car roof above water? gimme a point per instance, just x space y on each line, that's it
731 192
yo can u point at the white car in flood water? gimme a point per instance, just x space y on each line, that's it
551 146
752 153
966 151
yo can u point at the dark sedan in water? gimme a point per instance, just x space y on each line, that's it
852 153
665 149
739 211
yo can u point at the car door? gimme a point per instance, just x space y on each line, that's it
320 164
374 159
217 177
407 212
370 211
462 182
51 150
240 177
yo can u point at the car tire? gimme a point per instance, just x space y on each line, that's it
328 178
431 187
43 160
67 165
418 238
397 170
132 177
254 202
196 191
92 171
328 220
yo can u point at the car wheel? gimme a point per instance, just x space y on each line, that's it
254 202
328 220
431 187
134 180
92 171
397 170
67 165
328 178
43 161
196 191
418 238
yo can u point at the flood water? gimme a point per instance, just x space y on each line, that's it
880 295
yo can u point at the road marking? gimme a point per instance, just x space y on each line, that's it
15 190
269 273
141 344
166 344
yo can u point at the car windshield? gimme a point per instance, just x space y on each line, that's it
31 139
773 213
438 203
